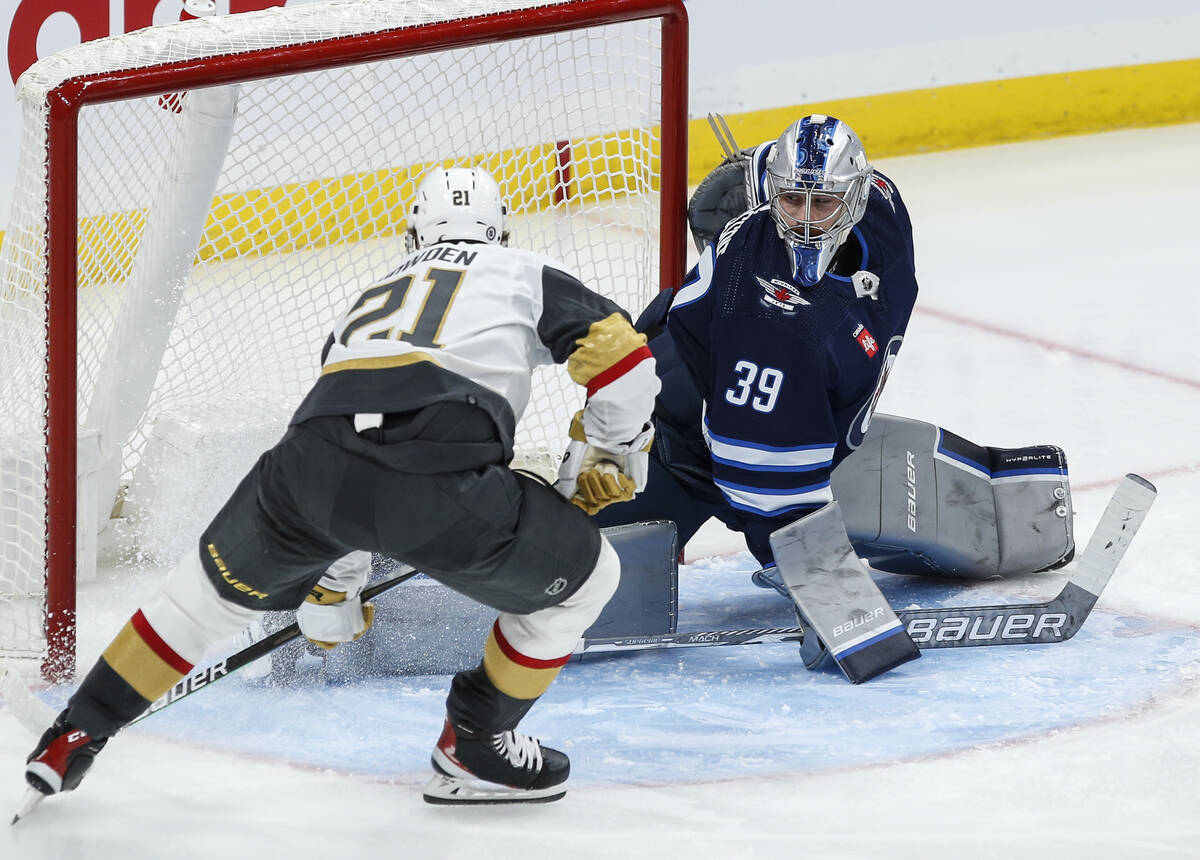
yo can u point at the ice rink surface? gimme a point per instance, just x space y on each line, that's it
1058 287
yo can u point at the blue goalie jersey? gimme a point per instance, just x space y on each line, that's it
767 385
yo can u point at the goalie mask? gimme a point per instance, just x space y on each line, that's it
818 181
456 204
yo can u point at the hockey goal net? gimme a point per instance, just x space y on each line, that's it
197 202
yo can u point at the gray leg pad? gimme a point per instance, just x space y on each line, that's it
918 499
647 598
837 599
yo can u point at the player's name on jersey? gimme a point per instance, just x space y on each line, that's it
445 253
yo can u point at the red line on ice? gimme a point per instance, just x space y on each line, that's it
1045 343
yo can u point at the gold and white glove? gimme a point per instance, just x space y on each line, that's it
333 612
594 478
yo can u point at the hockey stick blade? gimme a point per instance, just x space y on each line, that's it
1056 620
252 652
964 626
720 129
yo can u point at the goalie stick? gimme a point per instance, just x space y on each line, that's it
1056 620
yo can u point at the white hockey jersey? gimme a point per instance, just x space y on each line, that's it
466 318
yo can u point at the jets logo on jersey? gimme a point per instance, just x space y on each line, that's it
781 294
868 343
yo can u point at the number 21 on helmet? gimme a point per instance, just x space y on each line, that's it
456 204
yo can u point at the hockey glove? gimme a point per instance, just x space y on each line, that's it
725 192
329 618
333 612
594 478
718 199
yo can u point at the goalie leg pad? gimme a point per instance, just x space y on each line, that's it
837 598
813 652
647 599
918 499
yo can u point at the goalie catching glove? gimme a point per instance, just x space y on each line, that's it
593 478
333 612
728 191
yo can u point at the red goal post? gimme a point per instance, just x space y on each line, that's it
579 107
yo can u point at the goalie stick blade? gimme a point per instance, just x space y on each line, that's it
1056 620
1120 522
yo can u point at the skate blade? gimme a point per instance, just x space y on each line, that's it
29 803
452 790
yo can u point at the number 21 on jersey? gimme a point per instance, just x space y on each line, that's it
758 388
379 307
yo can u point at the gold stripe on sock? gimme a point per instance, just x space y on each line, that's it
514 675
133 659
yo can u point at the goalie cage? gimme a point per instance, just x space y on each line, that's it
173 263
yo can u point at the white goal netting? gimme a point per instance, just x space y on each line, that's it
219 234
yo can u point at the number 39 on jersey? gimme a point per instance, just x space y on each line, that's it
754 386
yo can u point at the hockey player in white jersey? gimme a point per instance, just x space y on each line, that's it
402 447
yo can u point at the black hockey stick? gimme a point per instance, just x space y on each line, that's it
965 626
254 651
33 798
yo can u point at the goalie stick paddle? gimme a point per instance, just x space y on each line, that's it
254 651
965 626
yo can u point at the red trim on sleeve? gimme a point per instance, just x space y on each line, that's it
142 627
520 659
618 370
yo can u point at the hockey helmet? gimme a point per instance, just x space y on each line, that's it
456 203
818 181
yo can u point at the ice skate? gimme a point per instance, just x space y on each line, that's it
61 758
473 767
